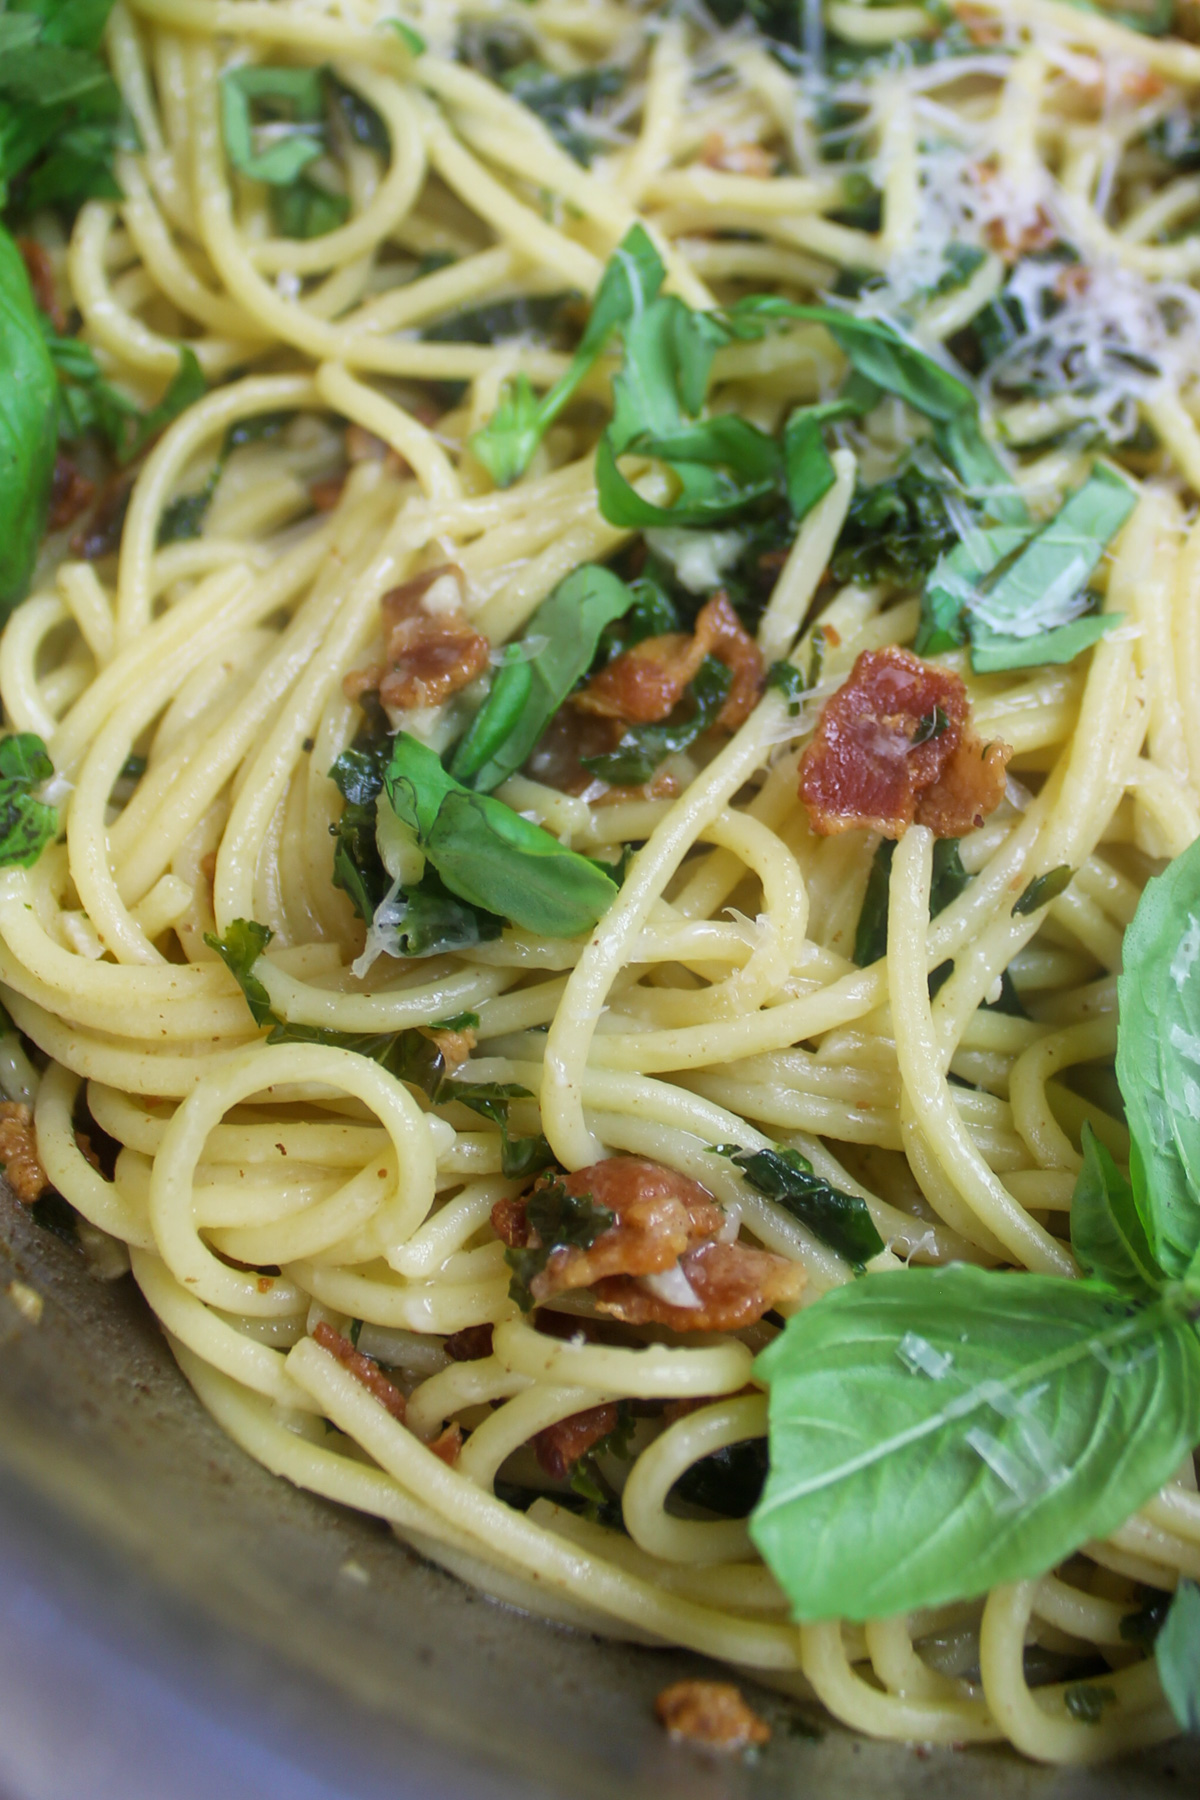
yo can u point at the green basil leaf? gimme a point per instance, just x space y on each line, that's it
528 691
843 1221
187 386
1018 620
991 1423
955 581
1107 1235
493 858
412 40
722 465
18 31
879 353
488 855
1042 890
630 281
644 747
520 1157
76 23
305 210
27 824
28 428
808 467
239 950
296 95
1158 1048
1177 1653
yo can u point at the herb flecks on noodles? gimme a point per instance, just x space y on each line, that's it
601 651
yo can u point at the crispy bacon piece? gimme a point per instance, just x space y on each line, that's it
663 1221
19 1159
711 1714
40 269
561 1445
737 159
447 1444
430 647
455 1046
363 1369
326 494
70 494
734 1285
863 770
100 535
470 1344
644 684
659 1213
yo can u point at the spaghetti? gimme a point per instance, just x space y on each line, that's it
465 182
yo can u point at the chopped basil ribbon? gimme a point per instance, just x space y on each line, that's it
538 673
1009 592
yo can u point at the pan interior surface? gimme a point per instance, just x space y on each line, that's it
174 1621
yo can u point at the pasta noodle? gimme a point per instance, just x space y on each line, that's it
195 688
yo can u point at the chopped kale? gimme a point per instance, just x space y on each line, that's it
728 1482
895 531
561 1220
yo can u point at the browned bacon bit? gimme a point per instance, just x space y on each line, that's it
661 786
644 684
659 1213
557 760
70 494
447 1445
733 1286
326 494
510 1224
455 1046
470 1344
980 27
40 270
882 759
430 647
1012 241
362 1368
100 535
735 158
711 1714
18 1152
561 1445
87 1150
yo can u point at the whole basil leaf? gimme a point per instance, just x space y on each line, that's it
527 692
935 1432
1158 1059
520 1157
1107 1236
1177 1653
28 427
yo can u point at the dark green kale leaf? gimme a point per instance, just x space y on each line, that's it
560 1221
520 1157
27 824
61 114
644 747
728 1482
843 1221
562 102
895 531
